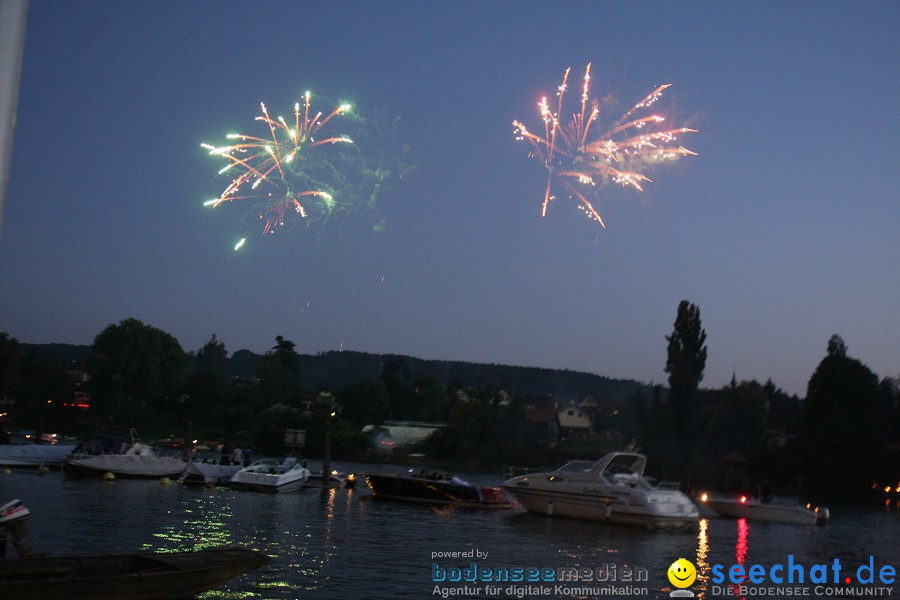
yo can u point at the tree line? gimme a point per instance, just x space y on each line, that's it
843 436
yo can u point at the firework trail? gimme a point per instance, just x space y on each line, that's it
573 154
292 162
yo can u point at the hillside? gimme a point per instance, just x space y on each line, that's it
333 370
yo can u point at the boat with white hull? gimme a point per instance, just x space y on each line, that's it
123 457
206 473
34 455
744 507
268 475
611 489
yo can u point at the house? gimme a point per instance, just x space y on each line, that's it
573 421
502 398
311 398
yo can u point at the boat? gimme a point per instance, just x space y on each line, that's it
432 488
746 507
123 457
128 576
335 480
268 475
207 473
611 489
34 455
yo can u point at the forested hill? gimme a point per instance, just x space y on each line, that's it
334 370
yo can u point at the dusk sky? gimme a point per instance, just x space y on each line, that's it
783 229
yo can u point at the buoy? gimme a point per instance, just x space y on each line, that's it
7 471
165 481
109 476
43 469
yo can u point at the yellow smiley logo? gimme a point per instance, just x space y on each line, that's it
682 573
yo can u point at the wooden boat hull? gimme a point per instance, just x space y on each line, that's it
125 577
415 489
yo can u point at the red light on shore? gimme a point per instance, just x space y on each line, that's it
743 499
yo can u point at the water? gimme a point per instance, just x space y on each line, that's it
344 544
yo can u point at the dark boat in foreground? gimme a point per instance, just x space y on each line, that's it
415 486
126 577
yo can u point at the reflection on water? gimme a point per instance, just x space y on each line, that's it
740 551
702 564
202 526
341 543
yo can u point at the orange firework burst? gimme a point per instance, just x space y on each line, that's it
284 161
573 156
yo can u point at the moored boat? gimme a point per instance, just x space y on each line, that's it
428 488
268 475
123 457
129 576
745 507
206 473
34 455
611 489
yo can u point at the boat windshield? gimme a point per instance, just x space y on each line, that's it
577 466
625 463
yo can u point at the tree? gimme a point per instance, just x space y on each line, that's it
685 363
397 381
207 385
845 425
364 403
271 425
9 366
279 373
212 359
136 371
738 421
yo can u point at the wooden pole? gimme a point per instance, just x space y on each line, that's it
326 461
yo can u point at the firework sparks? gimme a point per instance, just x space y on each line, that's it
290 162
574 155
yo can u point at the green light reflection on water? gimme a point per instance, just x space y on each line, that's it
203 526
299 532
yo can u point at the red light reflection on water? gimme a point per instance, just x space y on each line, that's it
740 551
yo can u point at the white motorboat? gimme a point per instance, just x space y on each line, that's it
34 455
611 489
207 473
123 457
745 507
268 475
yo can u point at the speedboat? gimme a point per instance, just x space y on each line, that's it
745 507
123 457
268 475
207 473
611 489
433 488
34 455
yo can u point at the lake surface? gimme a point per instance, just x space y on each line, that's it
344 544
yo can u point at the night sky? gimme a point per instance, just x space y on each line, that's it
783 230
